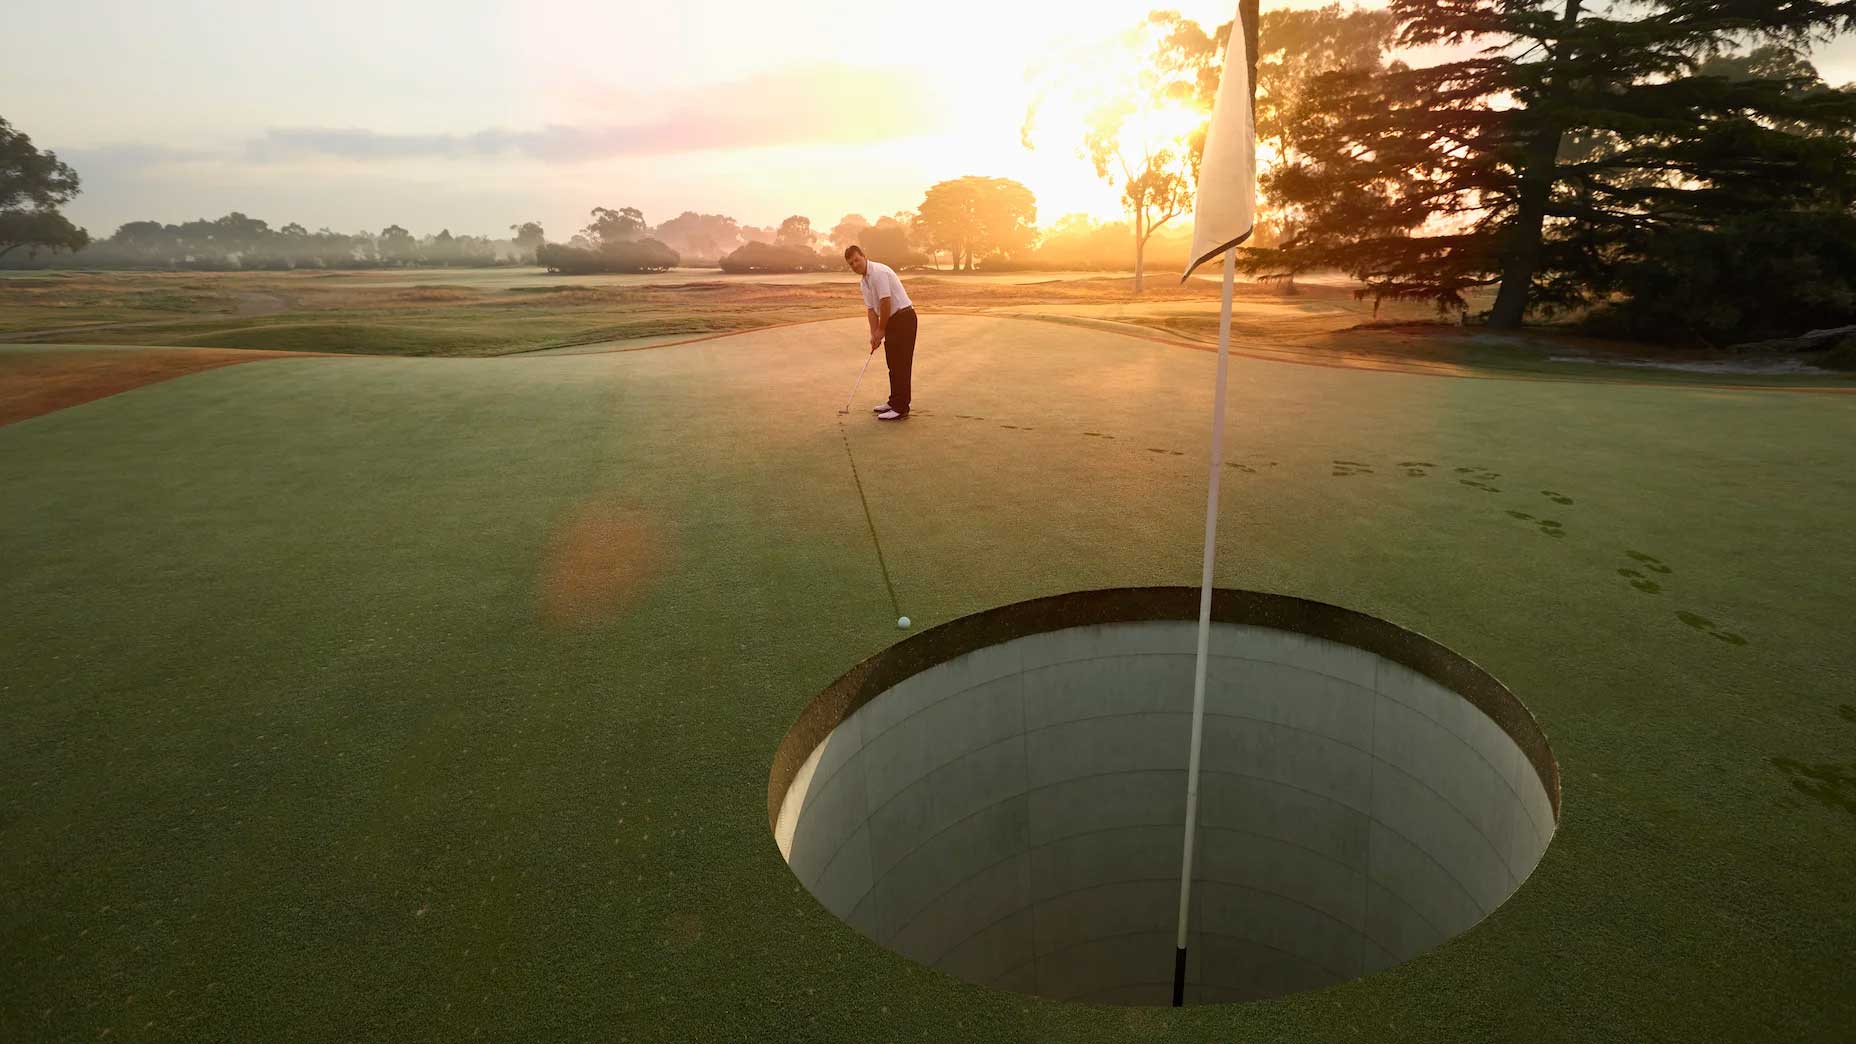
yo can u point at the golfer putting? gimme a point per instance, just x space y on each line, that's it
892 327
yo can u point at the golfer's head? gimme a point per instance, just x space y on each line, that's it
854 256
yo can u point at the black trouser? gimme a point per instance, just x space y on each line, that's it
899 353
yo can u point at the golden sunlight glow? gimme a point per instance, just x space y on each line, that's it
754 110
1014 58
1108 81
1171 123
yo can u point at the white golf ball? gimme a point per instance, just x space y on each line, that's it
902 622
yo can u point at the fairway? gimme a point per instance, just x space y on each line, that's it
415 699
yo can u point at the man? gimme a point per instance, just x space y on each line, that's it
892 325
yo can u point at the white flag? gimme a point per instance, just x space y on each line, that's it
1226 211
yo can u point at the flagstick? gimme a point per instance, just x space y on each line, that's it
1205 628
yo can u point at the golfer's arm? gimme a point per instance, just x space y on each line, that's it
876 322
889 305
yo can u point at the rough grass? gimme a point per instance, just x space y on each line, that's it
454 312
352 338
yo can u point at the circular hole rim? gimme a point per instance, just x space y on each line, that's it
933 646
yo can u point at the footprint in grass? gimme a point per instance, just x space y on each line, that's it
1417 468
1346 468
1708 627
1548 527
1097 435
1641 582
1558 498
1646 584
1651 562
1828 783
1245 468
1483 486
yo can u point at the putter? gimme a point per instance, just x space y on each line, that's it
860 380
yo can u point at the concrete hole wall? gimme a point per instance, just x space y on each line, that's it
1012 814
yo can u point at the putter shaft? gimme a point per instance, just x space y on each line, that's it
859 381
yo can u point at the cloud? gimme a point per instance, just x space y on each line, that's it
828 104
131 155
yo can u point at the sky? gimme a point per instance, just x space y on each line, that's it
475 115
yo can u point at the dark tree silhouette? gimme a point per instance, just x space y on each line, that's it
1576 141
33 185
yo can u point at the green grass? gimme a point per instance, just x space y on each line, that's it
291 754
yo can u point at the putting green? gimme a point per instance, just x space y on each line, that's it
409 699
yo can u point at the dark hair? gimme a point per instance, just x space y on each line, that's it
852 249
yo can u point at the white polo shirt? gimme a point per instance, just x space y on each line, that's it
880 281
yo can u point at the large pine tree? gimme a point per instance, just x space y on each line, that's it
1577 135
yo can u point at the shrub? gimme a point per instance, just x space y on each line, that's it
643 255
1841 356
1757 277
766 257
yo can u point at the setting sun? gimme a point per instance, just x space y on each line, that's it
477 116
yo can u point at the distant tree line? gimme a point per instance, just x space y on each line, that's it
975 223
236 241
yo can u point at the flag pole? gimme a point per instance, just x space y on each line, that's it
1205 628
